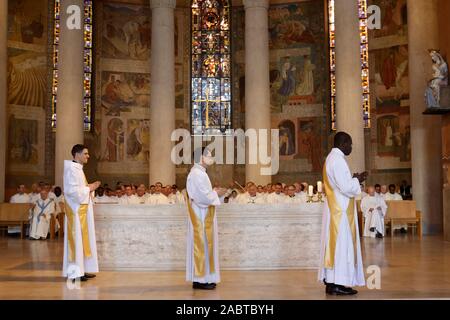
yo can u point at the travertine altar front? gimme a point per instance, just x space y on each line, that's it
251 237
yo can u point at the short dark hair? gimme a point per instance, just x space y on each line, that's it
377 185
78 148
392 186
341 138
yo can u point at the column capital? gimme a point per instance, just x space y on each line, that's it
256 4
163 4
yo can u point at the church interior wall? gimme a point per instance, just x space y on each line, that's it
29 83
388 143
299 91
444 27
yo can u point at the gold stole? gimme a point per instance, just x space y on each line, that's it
82 215
199 242
335 220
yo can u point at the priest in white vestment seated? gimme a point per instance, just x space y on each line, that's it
158 197
277 196
42 210
141 195
101 197
20 197
292 197
129 197
176 196
373 209
251 196
392 195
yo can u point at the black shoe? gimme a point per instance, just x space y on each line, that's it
372 229
403 230
89 275
204 286
83 278
349 290
212 284
336 290
379 235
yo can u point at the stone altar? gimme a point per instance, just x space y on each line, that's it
251 237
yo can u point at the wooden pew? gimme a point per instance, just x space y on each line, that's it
403 212
15 214
398 212
60 218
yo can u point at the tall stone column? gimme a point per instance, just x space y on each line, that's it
69 107
162 95
257 84
426 145
3 93
348 79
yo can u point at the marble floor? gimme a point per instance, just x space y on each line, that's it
410 269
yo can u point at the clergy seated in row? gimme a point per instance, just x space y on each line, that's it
251 196
277 196
392 195
374 209
101 197
41 213
293 194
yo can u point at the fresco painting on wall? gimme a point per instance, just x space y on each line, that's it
121 92
390 132
393 18
138 142
391 81
27 78
309 138
126 32
393 140
27 21
287 138
297 63
23 135
26 140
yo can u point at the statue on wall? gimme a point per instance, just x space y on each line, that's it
440 79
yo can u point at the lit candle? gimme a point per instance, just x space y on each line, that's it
310 191
319 186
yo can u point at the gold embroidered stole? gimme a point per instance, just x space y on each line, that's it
335 220
82 215
199 241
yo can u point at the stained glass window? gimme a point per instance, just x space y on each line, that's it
87 55
210 67
364 45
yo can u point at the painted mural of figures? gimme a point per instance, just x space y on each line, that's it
306 86
23 137
394 17
388 135
440 78
117 95
310 144
27 145
405 144
287 78
115 140
127 32
401 71
389 71
136 141
287 138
